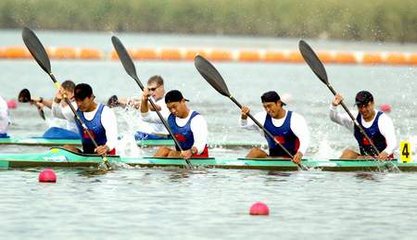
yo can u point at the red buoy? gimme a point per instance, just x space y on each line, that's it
259 208
386 108
12 104
47 175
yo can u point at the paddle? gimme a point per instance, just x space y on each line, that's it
213 77
113 101
39 54
24 97
317 66
131 71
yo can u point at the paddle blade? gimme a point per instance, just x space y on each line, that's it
313 61
212 76
41 113
36 49
113 101
24 96
125 59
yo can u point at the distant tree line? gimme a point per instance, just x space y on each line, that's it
374 20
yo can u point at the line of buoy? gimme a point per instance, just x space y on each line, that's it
240 55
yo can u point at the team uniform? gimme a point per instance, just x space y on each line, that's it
59 126
4 118
290 131
101 122
380 130
153 130
190 131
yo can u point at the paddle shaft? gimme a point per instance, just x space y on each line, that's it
40 110
130 69
38 52
267 133
354 120
213 77
164 122
262 127
77 117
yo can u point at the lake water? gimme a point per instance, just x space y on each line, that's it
212 203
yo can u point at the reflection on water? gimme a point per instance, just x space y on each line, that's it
366 176
206 204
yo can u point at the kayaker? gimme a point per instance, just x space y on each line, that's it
99 119
188 126
58 128
377 125
145 130
4 118
289 129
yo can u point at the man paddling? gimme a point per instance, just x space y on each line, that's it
98 118
288 128
68 129
188 126
4 118
58 128
156 90
377 125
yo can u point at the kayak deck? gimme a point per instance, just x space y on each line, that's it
141 143
59 157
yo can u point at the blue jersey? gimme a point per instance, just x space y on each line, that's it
284 135
374 134
95 128
184 135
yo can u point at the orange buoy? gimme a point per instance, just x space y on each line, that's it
2 55
249 56
171 54
372 58
65 53
113 55
220 55
345 58
396 59
90 53
145 54
274 56
326 57
412 60
16 52
191 53
295 57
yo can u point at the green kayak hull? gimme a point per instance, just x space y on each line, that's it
59 157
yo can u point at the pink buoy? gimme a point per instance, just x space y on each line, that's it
259 208
47 175
386 108
12 104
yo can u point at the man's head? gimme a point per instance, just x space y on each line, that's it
84 96
68 86
176 103
156 87
272 103
365 103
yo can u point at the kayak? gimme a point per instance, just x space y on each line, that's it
38 141
59 157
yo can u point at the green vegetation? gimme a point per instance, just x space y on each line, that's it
376 20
